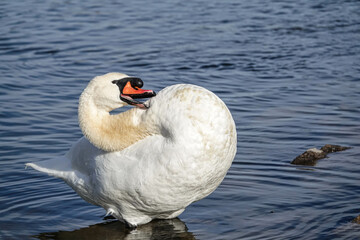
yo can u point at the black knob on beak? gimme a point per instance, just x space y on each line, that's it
136 82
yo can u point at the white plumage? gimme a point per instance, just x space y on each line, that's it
179 151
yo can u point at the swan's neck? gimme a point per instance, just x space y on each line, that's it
111 132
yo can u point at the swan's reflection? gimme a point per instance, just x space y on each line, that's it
157 229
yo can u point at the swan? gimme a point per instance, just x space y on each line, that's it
153 160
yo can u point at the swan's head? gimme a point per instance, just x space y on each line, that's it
115 90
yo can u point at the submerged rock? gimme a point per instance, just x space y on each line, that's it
310 156
356 220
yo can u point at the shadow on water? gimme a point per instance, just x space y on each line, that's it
157 229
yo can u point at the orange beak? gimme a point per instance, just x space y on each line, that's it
132 90
135 91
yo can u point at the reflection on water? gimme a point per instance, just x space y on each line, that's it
158 229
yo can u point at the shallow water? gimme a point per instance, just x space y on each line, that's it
288 71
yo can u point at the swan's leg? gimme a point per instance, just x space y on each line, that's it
109 214
130 226
108 217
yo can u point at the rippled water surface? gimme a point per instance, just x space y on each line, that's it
288 70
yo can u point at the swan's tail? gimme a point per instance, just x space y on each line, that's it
61 167
57 167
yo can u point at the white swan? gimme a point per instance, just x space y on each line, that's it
153 160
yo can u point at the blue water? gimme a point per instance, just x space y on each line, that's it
289 71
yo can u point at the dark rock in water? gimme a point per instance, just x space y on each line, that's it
310 156
356 220
328 148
